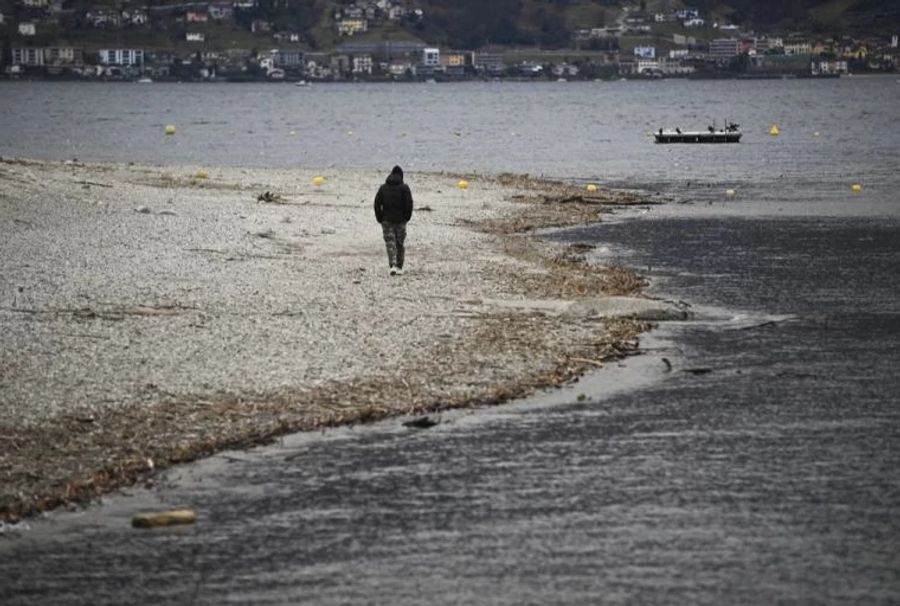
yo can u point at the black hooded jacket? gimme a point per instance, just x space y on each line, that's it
394 202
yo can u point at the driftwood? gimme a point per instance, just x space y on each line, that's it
270 197
596 363
597 200
93 183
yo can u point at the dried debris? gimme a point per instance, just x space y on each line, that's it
268 197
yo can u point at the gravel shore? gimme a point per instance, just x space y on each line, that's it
154 315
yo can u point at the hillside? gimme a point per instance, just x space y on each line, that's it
458 24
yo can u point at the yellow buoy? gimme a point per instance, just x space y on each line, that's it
318 181
170 129
163 518
463 184
816 134
201 174
591 187
292 133
856 188
774 130
730 192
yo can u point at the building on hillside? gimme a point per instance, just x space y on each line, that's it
454 63
627 65
397 12
767 44
682 40
645 52
694 23
454 59
136 17
798 47
121 56
260 26
63 55
353 11
349 27
647 67
489 63
362 64
196 15
28 56
675 68
288 58
27 28
104 18
724 48
286 37
565 70
220 11
195 37
431 57
829 68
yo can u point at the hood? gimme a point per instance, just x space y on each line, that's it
394 179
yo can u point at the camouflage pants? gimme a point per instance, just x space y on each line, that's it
394 235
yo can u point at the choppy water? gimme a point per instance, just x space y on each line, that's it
759 466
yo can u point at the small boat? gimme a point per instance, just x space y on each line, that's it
145 80
729 134
301 83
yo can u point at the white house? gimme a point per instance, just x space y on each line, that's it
220 11
647 65
362 64
694 22
27 28
27 56
431 57
121 56
645 52
798 48
828 68
195 37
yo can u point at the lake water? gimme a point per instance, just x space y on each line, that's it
757 464
596 130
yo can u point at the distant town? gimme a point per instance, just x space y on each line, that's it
253 40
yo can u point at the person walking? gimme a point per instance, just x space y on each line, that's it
393 209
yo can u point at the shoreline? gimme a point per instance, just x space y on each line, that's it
157 315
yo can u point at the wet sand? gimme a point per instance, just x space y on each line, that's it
152 316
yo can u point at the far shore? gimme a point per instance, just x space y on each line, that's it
154 315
